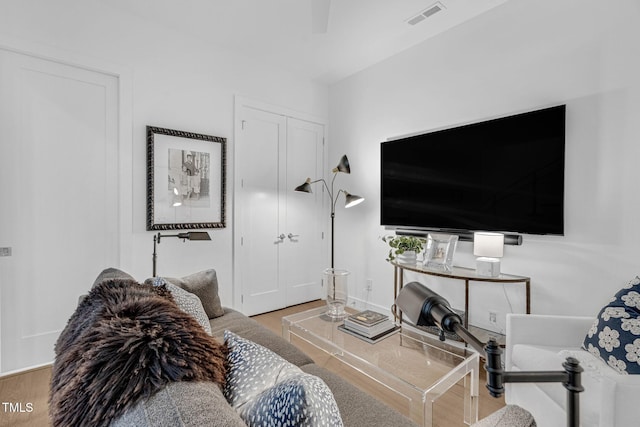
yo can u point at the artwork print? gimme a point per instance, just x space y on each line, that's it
189 178
185 180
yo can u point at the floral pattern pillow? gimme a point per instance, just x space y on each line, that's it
615 335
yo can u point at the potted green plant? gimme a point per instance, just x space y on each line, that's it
406 248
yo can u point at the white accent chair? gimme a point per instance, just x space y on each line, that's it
542 343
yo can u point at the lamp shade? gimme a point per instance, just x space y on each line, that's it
352 200
191 235
196 235
487 244
305 187
343 166
423 307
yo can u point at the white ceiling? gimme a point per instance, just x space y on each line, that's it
359 33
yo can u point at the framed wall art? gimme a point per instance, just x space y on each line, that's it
186 180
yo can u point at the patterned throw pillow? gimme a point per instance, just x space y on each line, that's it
302 400
266 390
188 302
615 334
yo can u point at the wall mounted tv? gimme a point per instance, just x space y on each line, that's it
504 174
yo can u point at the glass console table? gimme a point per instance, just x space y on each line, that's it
459 273
412 368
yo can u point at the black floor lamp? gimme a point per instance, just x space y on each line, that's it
191 235
423 307
350 199
337 292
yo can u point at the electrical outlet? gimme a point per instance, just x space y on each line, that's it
493 317
369 286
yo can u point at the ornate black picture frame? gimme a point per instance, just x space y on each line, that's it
186 180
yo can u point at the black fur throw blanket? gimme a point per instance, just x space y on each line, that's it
124 342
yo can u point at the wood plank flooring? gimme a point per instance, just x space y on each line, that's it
23 398
32 387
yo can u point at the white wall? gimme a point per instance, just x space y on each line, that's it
520 56
172 81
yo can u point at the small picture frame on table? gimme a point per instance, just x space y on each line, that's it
440 250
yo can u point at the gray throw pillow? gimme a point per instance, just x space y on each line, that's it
204 285
108 274
112 274
188 302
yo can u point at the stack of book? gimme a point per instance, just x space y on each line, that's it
369 325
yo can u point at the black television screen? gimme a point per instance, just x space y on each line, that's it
504 174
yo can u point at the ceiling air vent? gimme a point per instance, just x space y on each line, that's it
428 12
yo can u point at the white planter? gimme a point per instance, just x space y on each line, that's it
408 257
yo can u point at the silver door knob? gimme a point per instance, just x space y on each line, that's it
291 236
281 237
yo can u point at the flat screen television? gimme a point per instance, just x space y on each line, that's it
504 175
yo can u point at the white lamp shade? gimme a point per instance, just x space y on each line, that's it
487 244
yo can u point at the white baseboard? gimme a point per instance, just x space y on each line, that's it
361 304
25 370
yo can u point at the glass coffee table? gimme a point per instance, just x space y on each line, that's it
414 368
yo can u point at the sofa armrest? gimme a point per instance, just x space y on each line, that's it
551 330
619 400
545 330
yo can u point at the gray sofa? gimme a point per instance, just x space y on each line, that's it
186 403
357 408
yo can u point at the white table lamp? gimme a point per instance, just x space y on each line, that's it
489 248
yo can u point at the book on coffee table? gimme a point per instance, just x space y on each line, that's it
367 318
371 340
369 324
370 331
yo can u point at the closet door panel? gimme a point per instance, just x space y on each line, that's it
257 207
302 255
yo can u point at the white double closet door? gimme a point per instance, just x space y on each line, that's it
279 243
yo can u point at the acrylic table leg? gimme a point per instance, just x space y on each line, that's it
395 289
471 397
400 285
466 303
467 373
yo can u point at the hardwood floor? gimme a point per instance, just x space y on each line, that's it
32 387
24 397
